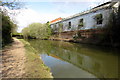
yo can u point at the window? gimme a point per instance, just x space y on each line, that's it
99 18
80 23
69 25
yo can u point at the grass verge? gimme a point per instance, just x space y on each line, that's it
34 66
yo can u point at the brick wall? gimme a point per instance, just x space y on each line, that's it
84 33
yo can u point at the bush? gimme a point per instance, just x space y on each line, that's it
7 27
37 30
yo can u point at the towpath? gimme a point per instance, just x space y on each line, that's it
13 59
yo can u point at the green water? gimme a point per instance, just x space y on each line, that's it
72 60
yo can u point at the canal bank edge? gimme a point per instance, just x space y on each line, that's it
35 68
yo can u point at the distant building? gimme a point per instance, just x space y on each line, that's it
97 17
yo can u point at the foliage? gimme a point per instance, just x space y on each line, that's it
78 36
75 36
7 28
54 28
37 30
98 18
60 27
81 24
8 25
11 4
16 33
69 27
111 31
114 29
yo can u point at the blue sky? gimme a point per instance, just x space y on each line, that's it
68 8
41 11
58 7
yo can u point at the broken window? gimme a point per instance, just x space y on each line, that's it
80 24
69 25
99 18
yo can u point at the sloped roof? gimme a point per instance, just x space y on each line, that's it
102 6
56 20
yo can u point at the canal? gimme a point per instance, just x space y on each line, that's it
73 60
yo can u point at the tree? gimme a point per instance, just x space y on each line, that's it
13 4
8 25
37 30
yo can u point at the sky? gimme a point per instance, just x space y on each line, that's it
41 11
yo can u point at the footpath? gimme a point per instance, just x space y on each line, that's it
19 60
13 59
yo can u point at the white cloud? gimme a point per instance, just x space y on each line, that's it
25 17
28 16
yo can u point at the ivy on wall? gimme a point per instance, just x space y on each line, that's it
81 24
99 18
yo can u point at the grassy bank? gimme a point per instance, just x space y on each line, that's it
35 67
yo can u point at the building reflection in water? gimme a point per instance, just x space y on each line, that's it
101 62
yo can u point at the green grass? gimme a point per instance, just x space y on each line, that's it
34 66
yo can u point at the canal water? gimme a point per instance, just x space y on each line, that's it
73 60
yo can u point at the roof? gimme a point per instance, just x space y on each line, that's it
102 6
56 20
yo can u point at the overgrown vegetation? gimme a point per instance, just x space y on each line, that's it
7 28
54 28
8 25
60 27
109 35
99 18
112 33
37 30
81 24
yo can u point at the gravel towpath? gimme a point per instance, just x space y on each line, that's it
13 59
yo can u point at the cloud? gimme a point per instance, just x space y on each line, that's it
28 16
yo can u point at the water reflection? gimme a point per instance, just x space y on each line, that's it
100 62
